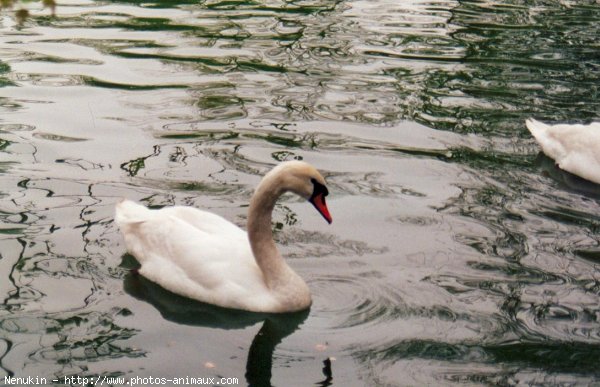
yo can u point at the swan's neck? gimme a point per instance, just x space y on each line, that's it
260 235
290 289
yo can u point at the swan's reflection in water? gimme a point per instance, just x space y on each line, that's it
566 179
189 312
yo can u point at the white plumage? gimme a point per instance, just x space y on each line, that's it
574 148
202 256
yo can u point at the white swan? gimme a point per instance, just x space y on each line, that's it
202 256
575 148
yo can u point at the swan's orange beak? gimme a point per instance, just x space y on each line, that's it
318 201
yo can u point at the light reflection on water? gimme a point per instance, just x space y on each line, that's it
456 254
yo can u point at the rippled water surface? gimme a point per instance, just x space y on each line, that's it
457 255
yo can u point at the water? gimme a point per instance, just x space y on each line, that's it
457 255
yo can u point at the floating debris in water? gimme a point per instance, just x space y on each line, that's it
209 364
321 347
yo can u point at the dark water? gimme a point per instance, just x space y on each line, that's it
457 255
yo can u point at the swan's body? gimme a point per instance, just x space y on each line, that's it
575 148
202 256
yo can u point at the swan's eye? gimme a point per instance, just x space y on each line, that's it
319 188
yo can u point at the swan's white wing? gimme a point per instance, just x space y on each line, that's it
575 148
194 253
204 221
128 212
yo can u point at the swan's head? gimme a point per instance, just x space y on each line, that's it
305 181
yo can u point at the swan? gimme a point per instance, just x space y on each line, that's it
575 148
202 256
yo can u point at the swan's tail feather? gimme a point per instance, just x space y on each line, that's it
537 129
128 213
